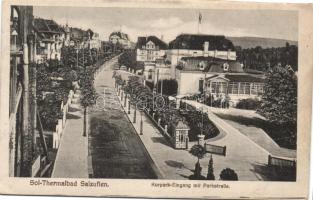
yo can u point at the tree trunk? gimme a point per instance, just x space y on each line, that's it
85 122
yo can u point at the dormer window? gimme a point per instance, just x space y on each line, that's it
226 67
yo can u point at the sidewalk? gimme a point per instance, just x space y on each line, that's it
246 158
71 160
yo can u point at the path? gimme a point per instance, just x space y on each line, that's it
71 160
233 116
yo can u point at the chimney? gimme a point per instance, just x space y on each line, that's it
206 49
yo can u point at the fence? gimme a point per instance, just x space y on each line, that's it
281 162
61 122
221 150
159 127
40 166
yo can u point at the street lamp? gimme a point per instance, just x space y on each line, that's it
77 49
141 124
153 98
125 98
134 120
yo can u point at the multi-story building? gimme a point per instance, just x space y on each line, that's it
120 38
195 45
150 48
77 37
50 39
93 40
151 51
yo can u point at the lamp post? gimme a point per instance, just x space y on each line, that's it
77 57
134 119
141 124
128 106
125 98
153 98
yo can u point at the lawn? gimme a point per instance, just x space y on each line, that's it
280 134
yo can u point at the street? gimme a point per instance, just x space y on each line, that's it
115 148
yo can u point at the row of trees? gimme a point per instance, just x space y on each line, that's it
55 79
263 59
165 109
128 59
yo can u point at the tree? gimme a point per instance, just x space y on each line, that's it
210 175
279 101
88 93
128 59
198 151
229 175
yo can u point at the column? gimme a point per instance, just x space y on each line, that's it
27 145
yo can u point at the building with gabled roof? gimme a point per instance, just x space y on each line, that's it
118 37
50 39
151 51
150 48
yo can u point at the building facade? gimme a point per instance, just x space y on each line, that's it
120 38
235 86
50 39
195 45
150 48
217 77
151 51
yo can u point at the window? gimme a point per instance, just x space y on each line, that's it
219 87
257 88
233 88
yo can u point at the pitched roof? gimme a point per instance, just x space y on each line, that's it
78 34
182 125
196 42
120 35
244 78
215 65
158 42
47 26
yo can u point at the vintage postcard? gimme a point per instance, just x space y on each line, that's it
155 99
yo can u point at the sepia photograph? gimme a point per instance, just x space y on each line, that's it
137 92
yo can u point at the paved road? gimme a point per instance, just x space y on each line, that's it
115 148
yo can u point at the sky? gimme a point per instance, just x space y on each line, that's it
171 22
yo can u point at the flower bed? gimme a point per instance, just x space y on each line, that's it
194 118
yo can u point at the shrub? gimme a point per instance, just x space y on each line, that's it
210 175
250 104
194 119
229 175
50 112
